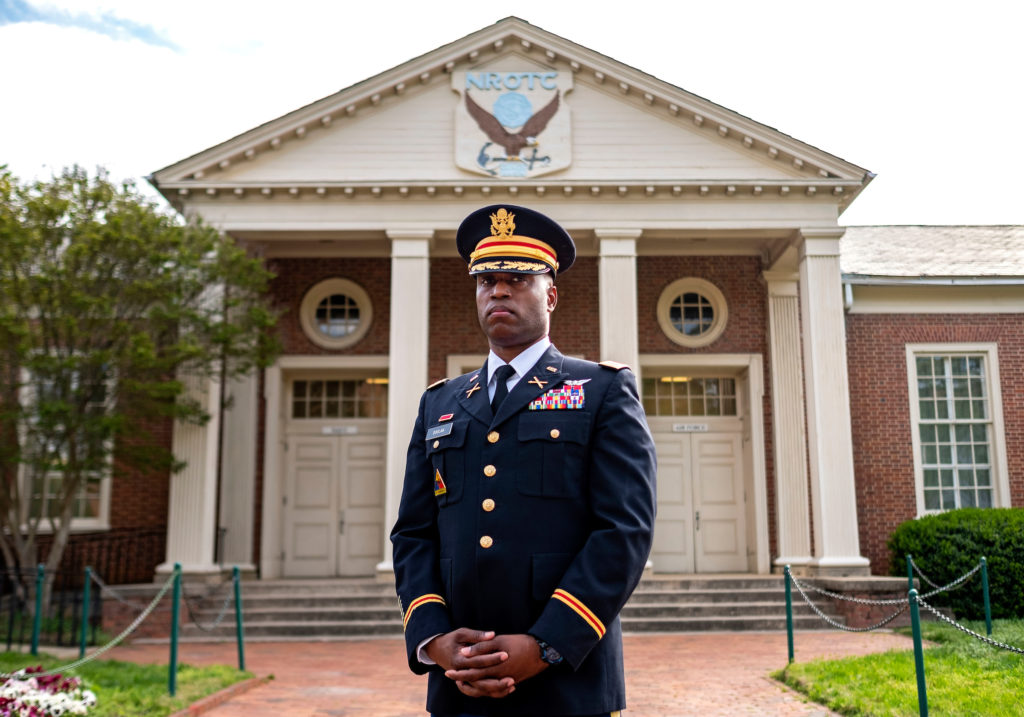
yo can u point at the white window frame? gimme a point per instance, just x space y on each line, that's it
1000 478
78 524
711 293
324 289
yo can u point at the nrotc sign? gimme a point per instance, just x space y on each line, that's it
512 123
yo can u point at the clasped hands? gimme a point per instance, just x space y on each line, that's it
484 664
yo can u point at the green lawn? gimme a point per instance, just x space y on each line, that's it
124 688
965 677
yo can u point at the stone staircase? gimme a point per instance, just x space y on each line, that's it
362 608
687 603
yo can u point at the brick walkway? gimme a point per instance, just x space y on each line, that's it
666 675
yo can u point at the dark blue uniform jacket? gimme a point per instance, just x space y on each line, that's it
536 520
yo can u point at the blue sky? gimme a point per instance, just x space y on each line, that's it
925 94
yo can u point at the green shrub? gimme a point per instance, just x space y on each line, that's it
947 545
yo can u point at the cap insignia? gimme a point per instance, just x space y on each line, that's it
502 224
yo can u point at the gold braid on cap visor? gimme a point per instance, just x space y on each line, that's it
514 246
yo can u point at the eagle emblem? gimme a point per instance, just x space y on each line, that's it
513 123
513 142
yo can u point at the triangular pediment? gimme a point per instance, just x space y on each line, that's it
408 129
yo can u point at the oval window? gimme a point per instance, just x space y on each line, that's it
692 312
336 313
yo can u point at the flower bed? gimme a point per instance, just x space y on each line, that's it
29 693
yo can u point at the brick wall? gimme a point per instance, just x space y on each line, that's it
880 410
294 277
738 278
139 496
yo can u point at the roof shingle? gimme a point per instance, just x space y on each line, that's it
933 251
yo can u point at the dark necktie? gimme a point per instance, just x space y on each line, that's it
502 374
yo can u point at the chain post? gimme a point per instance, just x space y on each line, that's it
84 633
984 591
37 619
172 669
789 615
239 632
915 623
910 572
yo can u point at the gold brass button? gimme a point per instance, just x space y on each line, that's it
437 443
555 433
493 437
490 470
486 541
488 505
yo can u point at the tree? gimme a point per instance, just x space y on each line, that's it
107 305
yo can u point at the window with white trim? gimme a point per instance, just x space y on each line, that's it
91 503
344 398
692 312
689 396
957 433
336 313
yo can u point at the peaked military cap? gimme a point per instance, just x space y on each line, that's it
517 240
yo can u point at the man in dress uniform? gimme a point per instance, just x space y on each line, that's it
528 507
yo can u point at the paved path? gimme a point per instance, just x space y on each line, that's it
666 675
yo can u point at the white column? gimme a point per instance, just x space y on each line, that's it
792 512
238 472
191 520
271 530
618 302
830 438
407 361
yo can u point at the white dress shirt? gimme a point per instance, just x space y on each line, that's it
520 364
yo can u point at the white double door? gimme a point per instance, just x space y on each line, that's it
334 502
701 522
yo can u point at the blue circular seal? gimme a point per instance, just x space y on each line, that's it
513 109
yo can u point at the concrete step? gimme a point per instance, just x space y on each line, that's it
304 614
678 595
752 609
708 582
261 602
313 628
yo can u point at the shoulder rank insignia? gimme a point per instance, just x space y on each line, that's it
439 487
613 365
567 396
435 384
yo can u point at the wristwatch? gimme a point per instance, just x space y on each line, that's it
547 653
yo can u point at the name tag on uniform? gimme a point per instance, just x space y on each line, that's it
438 431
